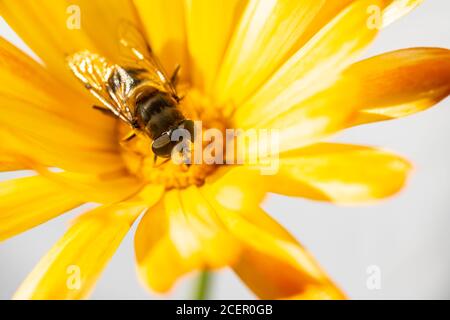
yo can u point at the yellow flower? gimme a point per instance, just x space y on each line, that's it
286 64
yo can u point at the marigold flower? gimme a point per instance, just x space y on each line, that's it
278 64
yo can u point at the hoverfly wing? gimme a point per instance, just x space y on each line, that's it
137 55
109 83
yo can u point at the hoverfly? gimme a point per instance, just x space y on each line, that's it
137 90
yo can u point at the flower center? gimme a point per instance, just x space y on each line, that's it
139 158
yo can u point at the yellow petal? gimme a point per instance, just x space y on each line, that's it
158 262
315 292
164 23
104 189
28 202
266 33
209 26
231 185
312 120
180 235
149 195
339 173
43 120
327 12
397 9
270 278
29 82
218 247
53 29
272 264
399 83
74 264
314 67
60 153
9 163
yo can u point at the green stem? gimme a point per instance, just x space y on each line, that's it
203 286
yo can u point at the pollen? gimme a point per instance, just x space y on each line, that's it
139 158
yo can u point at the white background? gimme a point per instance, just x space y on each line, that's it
407 237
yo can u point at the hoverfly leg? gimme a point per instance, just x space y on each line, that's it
123 143
174 77
174 81
130 136
155 159
104 110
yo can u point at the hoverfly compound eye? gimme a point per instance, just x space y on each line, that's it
162 146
